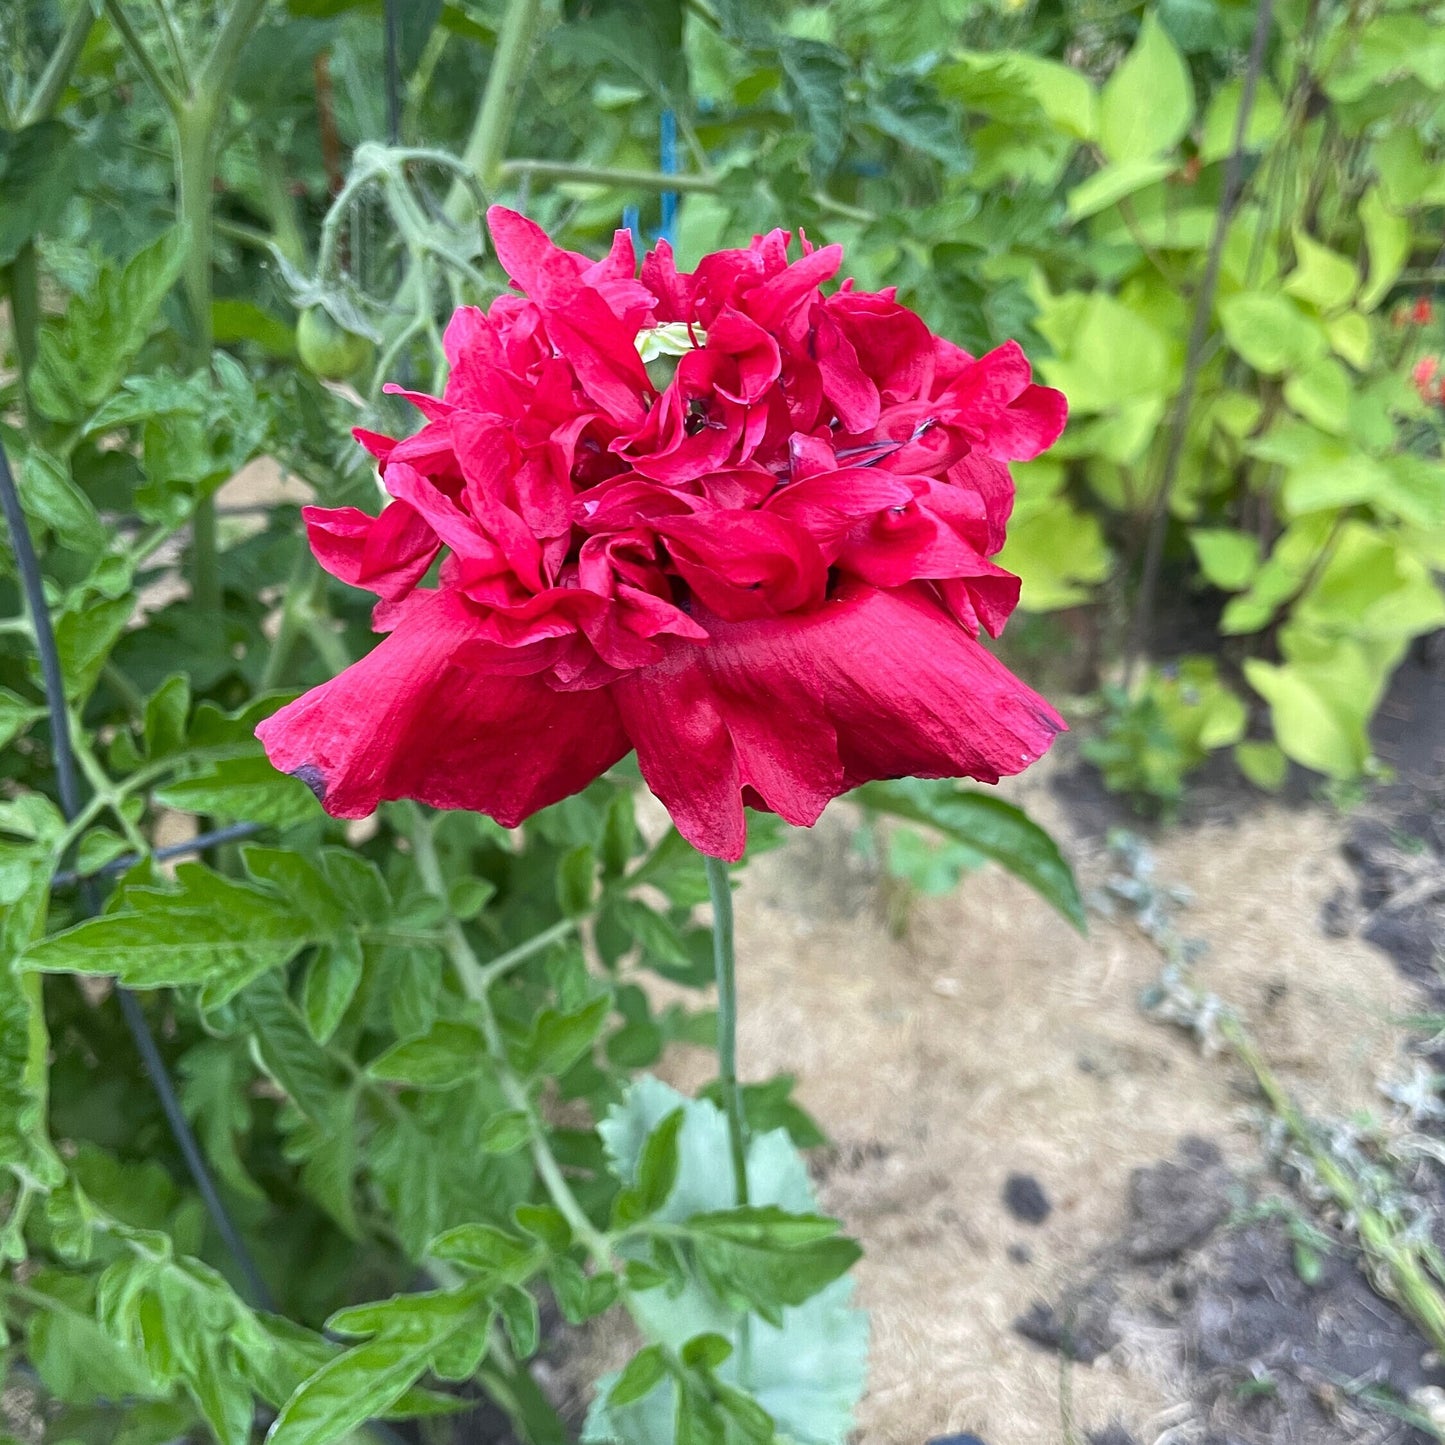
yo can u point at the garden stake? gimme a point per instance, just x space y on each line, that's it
236 833
23 549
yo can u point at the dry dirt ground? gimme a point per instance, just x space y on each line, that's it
992 1040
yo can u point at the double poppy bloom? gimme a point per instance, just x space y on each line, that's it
718 517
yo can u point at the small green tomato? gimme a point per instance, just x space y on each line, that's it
327 349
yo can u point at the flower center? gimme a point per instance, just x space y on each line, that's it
662 347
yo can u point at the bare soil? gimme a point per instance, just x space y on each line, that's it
992 1041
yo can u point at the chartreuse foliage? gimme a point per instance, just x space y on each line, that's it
1308 504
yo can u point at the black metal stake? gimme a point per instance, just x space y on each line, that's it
67 782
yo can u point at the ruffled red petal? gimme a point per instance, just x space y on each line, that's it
796 710
412 721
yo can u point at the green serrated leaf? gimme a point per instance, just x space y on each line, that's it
506 1132
84 637
768 1257
1114 183
658 1164
817 76
356 1386
520 1319
166 712
546 1223
15 716
619 834
83 355
485 1247
39 169
54 500
450 1053
559 1039
806 1372
332 978
643 1373
247 790
576 875
210 930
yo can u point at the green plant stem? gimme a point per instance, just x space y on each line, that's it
170 96
487 143
173 41
719 888
1383 1244
297 595
196 111
472 975
194 125
220 67
504 963
280 205
109 795
243 235
100 782
56 75
606 176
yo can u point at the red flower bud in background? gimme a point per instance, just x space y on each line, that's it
1423 312
1424 377
718 517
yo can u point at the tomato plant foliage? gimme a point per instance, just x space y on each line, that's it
415 1053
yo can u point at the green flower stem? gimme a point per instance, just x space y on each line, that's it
472 974
719 887
487 143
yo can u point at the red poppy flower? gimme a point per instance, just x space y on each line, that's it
718 517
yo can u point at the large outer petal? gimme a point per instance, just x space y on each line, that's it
410 721
798 709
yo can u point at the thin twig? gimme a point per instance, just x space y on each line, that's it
1198 335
